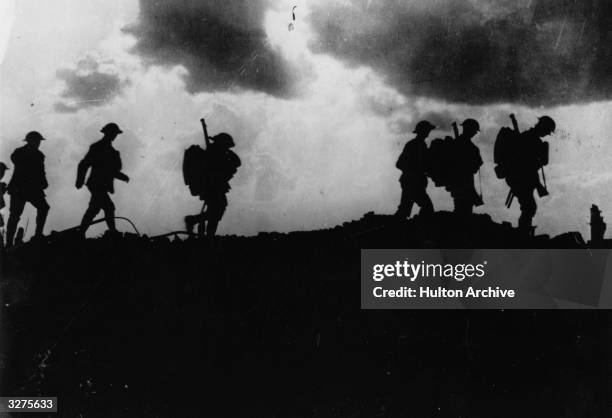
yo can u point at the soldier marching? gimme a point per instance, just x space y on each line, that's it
520 157
27 185
105 164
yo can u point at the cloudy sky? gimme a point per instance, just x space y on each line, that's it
319 113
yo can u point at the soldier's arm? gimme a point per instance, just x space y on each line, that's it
118 174
236 160
15 157
232 162
121 176
45 183
401 161
82 168
477 161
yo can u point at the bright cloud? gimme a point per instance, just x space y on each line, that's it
318 135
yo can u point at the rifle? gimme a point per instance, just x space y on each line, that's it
542 189
206 137
455 130
515 126
514 123
201 225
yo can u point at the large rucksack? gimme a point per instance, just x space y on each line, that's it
194 169
440 161
509 152
505 150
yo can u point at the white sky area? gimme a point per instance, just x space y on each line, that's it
316 160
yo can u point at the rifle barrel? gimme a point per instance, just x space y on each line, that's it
206 138
514 123
455 130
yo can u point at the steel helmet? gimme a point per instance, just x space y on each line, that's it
33 136
423 126
224 139
111 128
547 123
471 124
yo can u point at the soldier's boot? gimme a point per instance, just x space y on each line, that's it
88 218
524 225
41 218
403 211
192 220
426 207
19 237
202 227
11 229
109 217
211 227
404 208
190 223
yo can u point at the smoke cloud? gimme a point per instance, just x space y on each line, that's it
531 52
88 85
222 44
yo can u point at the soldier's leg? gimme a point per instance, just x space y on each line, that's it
216 209
458 204
201 219
528 209
15 210
406 202
192 220
42 210
422 199
464 205
92 210
109 211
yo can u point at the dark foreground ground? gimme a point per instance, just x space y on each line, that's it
271 326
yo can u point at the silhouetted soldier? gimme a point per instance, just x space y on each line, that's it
413 164
523 177
3 168
19 237
105 164
221 165
27 185
466 163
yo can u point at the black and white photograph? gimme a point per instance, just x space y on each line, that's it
306 208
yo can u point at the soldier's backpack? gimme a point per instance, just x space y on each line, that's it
440 161
508 152
194 169
504 150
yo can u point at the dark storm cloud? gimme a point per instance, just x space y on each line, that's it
535 52
222 43
87 86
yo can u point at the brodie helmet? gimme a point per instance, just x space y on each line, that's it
424 127
224 139
33 136
471 124
547 123
111 128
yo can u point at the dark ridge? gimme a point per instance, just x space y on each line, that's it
271 326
